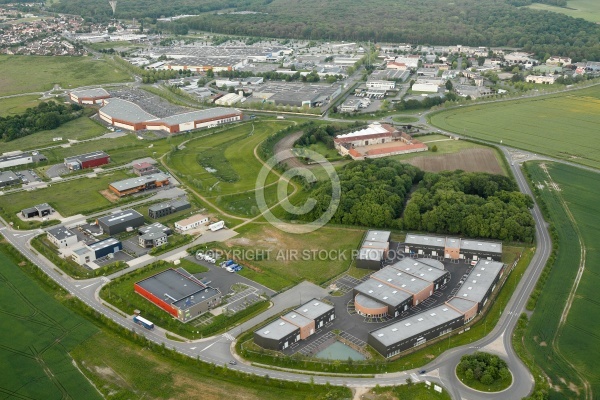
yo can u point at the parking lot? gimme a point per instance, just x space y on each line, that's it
28 176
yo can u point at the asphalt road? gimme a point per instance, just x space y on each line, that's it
218 349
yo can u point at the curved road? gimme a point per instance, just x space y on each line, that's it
218 349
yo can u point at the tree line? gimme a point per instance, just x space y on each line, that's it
45 116
324 134
473 204
483 367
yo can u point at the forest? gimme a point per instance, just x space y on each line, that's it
47 115
375 193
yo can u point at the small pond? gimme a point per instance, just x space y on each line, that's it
339 351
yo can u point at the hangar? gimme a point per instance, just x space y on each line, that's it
120 222
128 115
453 248
179 293
89 96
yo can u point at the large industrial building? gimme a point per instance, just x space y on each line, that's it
170 207
179 293
89 96
134 185
295 326
373 249
120 222
8 178
453 248
127 115
296 94
443 319
88 160
15 160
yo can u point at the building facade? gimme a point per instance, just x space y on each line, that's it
62 237
191 223
120 222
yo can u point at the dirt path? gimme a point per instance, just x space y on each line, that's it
573 291
282 150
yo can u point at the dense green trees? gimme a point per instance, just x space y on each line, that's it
483 367
477 205
47 115
323 134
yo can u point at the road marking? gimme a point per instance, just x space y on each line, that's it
228 336
91 284
192 348
207 347
415 378
77 285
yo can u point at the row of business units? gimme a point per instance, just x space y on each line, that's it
394 289
127 115
417 329
179 293
294 326
452 248
13 160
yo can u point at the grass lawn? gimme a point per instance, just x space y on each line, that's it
78 129
562 125
68 72
553 345
319 147
37 335
68 198
17 105
416 391
404 119
586 9
290 258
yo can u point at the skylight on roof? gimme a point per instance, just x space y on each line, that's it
385 297
407 324
444 309
432 314
420 319
394 329
395 291
380 335
281 323
316 304
266 332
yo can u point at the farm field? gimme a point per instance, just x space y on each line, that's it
68 198
455 154
229 155
17 105
288 257
79 129
561 125
586 9
577 340
37 335
68 72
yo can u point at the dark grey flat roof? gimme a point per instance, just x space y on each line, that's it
313 309
433 263
371 254
8 176
15 157
479 280
425 240
297 319
419 269
377 236
87 156
102 244
170 286
415 324
117 218
383 292
155 227
462 305
60 232
153 235
277 330
368 302
401 280
196 298
199 115
131 183
481 245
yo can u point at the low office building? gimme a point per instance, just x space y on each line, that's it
41 210
97 250
152 239
420 289
179 293
155 227
15 160
89 96
481 282
373 298
295 326
381 84
61 237
426 268
88 160
120 222
480 249
144 168
160 210
548 80
191 223
8 178
140 184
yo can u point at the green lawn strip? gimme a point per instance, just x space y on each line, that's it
17 105
405 119
113 359
586 9
70 267
37 335
68 72
411 391
477 329
577 343
535 124
120 293
79 196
